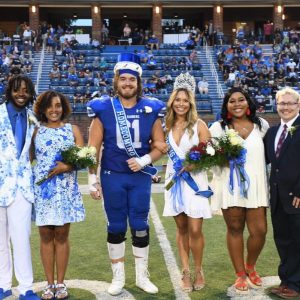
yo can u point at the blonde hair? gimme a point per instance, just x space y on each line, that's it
287 91
191 116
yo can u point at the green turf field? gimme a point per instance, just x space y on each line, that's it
89 258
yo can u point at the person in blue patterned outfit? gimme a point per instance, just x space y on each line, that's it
126 125
58 201
17 124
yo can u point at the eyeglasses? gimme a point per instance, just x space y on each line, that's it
288 104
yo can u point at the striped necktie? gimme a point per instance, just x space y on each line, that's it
281 140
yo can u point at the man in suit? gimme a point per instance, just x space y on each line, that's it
17 124
282 144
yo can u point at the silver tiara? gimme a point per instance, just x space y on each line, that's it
185 81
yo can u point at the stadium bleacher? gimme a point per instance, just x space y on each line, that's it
168 62
109 53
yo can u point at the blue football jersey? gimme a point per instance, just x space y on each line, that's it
140 120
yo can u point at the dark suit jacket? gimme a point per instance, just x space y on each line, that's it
285 171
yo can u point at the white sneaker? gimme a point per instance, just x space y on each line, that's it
142 276
118 280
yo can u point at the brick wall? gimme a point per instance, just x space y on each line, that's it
83 121
34 17
218 18
9 26
96 23
277 18
273 118
156 22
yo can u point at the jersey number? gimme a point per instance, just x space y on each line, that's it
136 135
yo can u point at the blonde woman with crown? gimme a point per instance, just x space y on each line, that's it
184 129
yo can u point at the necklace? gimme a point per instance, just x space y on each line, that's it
242 129
180 126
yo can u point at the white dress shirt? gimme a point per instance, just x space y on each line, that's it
280 129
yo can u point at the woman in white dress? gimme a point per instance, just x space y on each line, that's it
184 130
238 113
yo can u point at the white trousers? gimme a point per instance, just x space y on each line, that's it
15 226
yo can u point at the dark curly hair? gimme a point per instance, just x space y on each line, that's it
43 101
224 111
15 83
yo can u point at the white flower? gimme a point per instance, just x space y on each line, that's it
92 151
233 137
83 152
33 120
234 140
148 109
87 152
210 150
292 129
231 133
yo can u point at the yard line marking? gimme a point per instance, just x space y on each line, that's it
97 288
169 257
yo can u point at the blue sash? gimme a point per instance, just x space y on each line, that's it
243 180
125 134
186 176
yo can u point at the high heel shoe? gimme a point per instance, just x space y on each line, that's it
201 285
186 281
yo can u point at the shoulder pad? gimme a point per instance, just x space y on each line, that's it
156 104
97 105
162 112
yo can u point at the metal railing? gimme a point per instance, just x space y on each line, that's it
214 71
40 68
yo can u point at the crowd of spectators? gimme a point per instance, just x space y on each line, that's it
16 57
84 74
243 63
262 75
139 36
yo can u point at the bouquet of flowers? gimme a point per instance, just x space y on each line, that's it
77 157
231 145
235 156
224 151
204 156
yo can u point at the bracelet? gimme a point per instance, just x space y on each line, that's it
144 160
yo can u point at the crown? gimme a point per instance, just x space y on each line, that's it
185 81
129 62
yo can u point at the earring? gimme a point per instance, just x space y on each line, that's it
229 116
248 112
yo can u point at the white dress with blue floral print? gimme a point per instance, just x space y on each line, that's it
58 200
